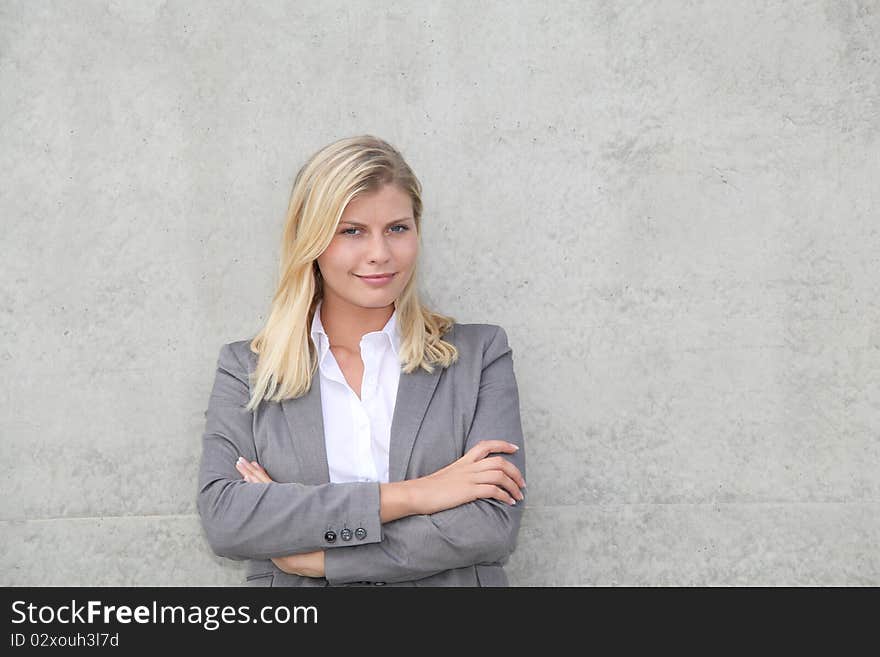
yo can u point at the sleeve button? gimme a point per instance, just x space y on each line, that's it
330 536
361 533
345 534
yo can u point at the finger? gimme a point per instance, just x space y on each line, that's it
501 463
492 491
501 480
243 465
250 473
513 472
261 474
486 447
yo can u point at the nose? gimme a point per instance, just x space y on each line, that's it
378 249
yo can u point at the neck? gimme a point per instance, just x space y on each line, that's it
346 323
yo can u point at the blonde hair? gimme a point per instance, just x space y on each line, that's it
324 186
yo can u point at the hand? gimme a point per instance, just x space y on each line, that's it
252 471
471 477
307 564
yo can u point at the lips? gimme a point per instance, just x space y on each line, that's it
377 280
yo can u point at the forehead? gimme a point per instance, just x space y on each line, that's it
389 203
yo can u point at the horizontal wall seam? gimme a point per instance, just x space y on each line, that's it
527 506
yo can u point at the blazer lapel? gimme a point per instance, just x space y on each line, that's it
305 420
414 392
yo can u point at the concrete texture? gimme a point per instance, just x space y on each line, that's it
672 207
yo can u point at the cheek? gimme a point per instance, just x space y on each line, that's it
408 250
334 258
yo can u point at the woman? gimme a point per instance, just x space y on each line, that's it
403 463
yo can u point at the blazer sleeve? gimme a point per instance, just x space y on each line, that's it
482 531
245 520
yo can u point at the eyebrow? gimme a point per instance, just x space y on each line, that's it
391 223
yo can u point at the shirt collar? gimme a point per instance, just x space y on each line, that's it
322 340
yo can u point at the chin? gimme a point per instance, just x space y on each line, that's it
374 301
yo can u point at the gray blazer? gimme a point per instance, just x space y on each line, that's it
437 418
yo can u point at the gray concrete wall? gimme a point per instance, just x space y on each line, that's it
672 207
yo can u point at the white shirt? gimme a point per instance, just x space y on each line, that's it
357 431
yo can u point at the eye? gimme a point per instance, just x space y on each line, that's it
349 231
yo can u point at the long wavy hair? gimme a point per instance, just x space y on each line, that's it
287 358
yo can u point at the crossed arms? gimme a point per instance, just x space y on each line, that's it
245 520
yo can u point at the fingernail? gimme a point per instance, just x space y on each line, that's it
515 447
240 459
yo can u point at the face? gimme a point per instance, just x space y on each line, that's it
376 235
